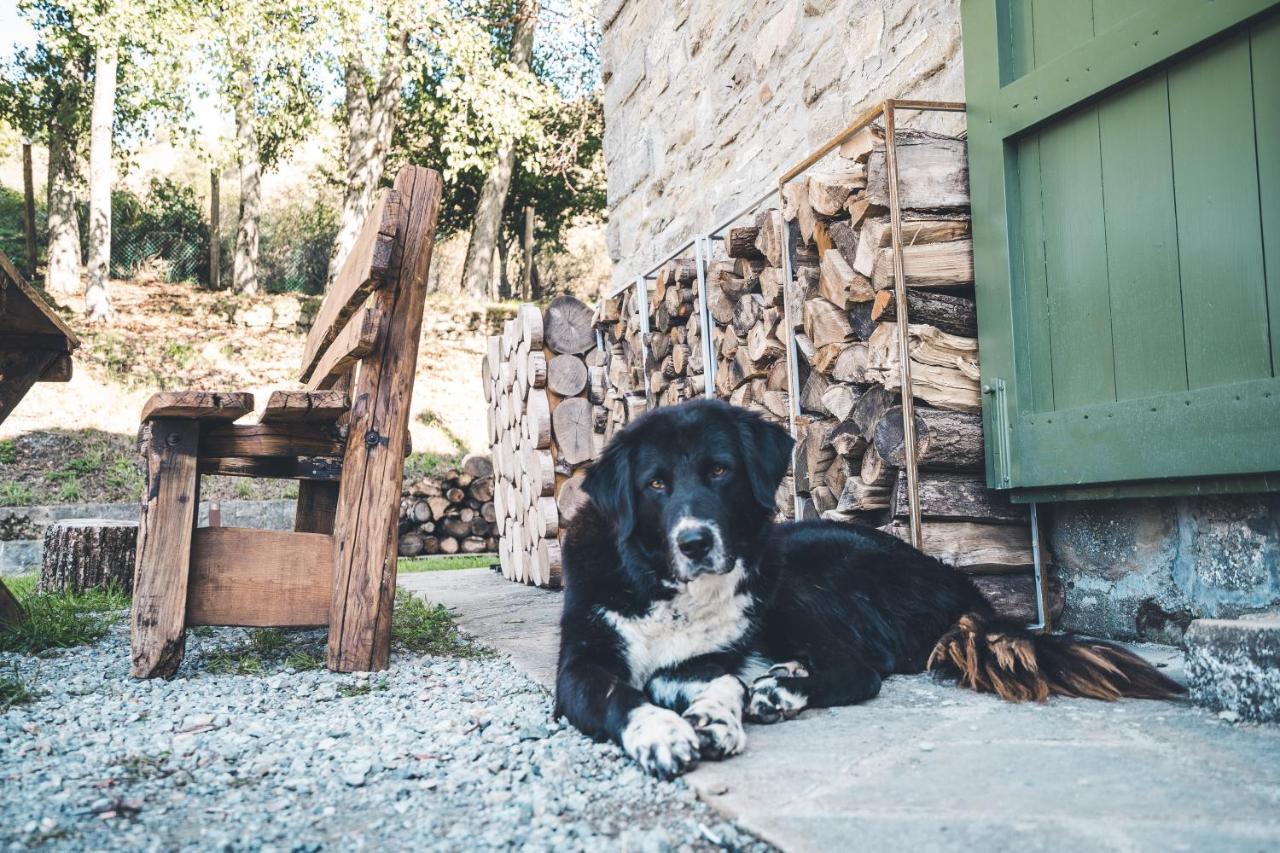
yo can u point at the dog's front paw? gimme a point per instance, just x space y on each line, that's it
771 699
662 742
716 716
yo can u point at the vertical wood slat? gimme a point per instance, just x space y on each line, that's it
1142 241
1076 257
1031 310
369 496
164 548
1219 234
1265 54
317 506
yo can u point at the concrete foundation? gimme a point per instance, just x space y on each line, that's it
1233 665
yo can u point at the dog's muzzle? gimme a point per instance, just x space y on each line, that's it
698 549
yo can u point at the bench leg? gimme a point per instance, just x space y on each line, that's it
164 548
317 503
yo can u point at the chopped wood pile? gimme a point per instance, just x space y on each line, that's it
450 513
618 380
674 351
543 380
850 447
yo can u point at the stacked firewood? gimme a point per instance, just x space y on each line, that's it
618 378
850 447
450 513
546 422
674 355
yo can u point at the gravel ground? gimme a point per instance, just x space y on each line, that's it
436 753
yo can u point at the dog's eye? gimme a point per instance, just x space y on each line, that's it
719 470
658 484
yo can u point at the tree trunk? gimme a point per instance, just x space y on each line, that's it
29 210
502 284
244 271
215 229
526 274
89 553
370 123
478 268
62 273
101 177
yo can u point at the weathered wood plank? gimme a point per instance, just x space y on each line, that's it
19 370
164 548
23 310
316 407
363 271
317 505
259 578
278 439
11 612
973 548
948 496
364 577
352 344
200 405
277 467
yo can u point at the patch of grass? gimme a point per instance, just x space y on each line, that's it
433 419
59 620
8 452
427 464
447 563
15 691
123 476
70 492
180 353
16 494
430 629
259 655
362 688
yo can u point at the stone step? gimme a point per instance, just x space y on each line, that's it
1233 665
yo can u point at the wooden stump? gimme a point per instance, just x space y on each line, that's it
89 553
11 612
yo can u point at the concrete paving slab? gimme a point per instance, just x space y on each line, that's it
925 766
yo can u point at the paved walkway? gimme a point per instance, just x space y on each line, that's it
927 767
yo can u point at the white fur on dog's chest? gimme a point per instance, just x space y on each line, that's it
706 615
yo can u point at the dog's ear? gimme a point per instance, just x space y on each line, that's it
608 484
766 447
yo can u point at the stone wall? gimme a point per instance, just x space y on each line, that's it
707 103
1143 569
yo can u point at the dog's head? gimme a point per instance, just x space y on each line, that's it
693 482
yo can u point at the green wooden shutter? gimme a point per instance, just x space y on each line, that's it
1125 170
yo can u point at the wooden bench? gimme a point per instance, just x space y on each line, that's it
35 346
343 438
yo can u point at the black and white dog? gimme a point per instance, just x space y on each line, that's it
679 589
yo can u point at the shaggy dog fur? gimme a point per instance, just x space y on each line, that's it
686 609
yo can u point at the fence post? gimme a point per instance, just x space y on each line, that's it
215 227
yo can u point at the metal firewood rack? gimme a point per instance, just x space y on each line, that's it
887 111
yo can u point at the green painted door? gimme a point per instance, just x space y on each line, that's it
1125 170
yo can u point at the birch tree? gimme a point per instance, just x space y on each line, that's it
485 230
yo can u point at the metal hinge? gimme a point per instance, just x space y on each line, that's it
999 438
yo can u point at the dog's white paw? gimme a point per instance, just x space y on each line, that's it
716 716
769 701
662 742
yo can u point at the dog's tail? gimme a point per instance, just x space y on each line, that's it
993 656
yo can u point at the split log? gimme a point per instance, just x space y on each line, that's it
1014 596
826 323
947 496
769 225
955 315
933 172
944 440
567 326
944 368
829 191
974 548
839 284
877 235
928 265
741 242
91 553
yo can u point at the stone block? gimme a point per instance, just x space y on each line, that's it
1233 665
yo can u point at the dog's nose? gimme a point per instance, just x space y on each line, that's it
695 542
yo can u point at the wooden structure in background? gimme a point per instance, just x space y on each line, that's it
35 346
344 439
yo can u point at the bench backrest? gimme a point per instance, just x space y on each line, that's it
350 322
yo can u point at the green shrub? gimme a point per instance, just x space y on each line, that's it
293 255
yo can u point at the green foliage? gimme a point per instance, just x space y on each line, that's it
60 620
16 494
426 629
446 563
295 244
426 464
8 452
169 224
13 239
253 657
